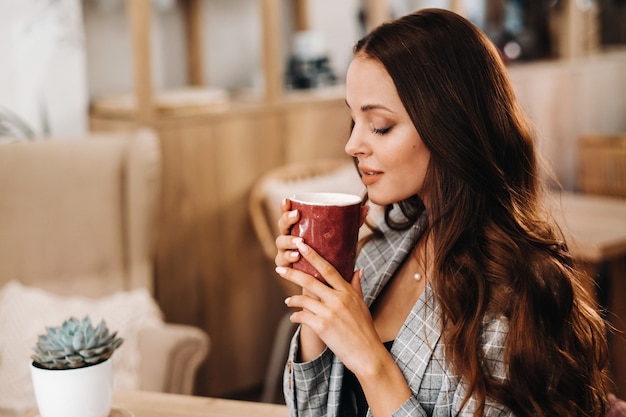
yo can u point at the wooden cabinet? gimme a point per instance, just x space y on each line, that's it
210 269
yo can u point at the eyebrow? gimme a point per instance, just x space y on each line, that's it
368 107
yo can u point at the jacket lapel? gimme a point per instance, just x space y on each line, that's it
418 338
421 331
382 256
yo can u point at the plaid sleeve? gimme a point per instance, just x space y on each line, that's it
495 330
494 334
306 385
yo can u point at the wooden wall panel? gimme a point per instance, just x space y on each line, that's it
207 271
250 295
316 130
210 269
188 224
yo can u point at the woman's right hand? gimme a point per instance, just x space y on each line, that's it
285 243
311 345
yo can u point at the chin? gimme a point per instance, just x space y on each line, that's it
380 200
383 199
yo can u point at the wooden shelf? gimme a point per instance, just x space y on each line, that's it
139 14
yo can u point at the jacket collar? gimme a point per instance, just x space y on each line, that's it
383 255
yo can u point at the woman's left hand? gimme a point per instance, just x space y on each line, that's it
335 312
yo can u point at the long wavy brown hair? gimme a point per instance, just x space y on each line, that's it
496 250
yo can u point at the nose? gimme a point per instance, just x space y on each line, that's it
356 145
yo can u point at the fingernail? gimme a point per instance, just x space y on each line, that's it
287 300
302 247
293 254
293 214
281 270
361 272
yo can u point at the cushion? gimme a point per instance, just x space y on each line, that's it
61 213
25 312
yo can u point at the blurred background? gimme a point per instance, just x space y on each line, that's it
235 88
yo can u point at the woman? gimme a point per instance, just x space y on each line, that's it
464 301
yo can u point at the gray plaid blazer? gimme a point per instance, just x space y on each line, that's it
313 389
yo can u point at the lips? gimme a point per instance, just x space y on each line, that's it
369 175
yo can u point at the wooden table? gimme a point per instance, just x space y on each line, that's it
594 225
595 229
156 404
152 404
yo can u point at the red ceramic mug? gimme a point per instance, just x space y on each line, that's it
329 223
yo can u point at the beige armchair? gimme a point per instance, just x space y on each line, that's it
77 229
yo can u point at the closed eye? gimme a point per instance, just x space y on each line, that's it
381 131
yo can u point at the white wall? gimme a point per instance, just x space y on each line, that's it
232 37
564 98
338 22
109 55
568 98
43 67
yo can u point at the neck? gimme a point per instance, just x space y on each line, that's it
421 259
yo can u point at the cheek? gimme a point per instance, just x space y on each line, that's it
409 173
418 166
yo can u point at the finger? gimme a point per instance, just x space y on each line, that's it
356 281
286 258
286 220
330 274
287 251
304 317
285 205
304 302
287 242
310 284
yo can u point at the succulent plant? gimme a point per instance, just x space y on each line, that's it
75 344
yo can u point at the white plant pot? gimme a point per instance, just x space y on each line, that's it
82 392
